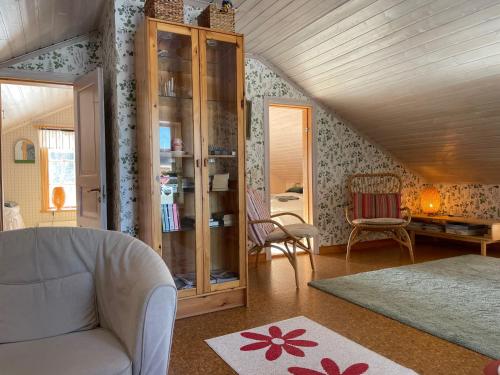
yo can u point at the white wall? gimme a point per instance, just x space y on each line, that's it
21 182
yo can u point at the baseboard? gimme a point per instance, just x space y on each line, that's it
336 249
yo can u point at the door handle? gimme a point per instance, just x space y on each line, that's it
197 163
94 190
205 162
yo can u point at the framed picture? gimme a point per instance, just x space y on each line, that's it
24 152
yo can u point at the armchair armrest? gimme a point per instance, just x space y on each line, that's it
407 215
290 214
137 301
348 210
291 236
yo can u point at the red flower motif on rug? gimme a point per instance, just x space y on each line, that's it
492 368
331 368
277 342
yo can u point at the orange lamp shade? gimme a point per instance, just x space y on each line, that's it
430 200
58 197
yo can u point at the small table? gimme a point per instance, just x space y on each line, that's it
492 236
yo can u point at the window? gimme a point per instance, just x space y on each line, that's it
57 162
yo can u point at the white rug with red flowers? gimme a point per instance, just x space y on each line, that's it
300 346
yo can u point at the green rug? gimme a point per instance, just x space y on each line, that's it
457 299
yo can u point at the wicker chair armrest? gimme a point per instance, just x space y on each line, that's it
348 211
291 236
290 214
407 215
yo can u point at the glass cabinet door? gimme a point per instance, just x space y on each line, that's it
223 159
178 149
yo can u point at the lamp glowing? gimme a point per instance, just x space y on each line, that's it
430 200
58 197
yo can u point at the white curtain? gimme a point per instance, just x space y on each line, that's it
57 139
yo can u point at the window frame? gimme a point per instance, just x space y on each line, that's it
44 174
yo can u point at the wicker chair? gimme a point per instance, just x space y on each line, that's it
375 207
266 232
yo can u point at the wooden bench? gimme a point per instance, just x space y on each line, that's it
492 236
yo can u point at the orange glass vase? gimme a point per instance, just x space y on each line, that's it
58 197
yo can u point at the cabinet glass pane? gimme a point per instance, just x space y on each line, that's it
223 161
176 145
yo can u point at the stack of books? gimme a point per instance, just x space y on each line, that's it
222 276
466 229
215 223
185 281
430 227
170 217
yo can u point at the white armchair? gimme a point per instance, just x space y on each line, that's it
83 301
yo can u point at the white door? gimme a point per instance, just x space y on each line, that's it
90 153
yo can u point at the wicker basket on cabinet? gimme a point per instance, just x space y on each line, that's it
216 18
166 10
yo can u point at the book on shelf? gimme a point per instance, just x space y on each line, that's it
222 276
170 217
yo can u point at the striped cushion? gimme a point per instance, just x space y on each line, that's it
371 206
257 210
388 205
363 206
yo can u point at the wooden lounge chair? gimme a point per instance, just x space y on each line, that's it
266 232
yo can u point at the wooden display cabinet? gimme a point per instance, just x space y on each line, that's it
190 92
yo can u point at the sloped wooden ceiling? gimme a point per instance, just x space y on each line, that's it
23 103
419 77
28 25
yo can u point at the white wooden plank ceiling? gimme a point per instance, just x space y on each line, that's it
419 77
23 103
27 25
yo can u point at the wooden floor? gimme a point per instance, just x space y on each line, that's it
273 297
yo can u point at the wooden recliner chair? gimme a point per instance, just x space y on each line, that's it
264 232
376 207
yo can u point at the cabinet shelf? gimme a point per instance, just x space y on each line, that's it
190 229
172 155
176 97
172 97
222 156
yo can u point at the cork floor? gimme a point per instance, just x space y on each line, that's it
273 297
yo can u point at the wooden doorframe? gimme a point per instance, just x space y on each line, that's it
28 78
311 159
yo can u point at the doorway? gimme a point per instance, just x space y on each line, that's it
289 161
52 160
38 156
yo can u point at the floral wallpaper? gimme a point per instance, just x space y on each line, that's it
470 200
78 58
340 150
120 23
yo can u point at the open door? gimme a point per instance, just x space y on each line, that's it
90 154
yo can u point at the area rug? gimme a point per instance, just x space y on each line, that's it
299 346
457 299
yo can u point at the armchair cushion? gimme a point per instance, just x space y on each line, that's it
300 230
93 352
49 291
